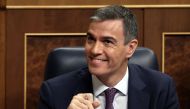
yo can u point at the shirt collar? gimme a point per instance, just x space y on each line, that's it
99 87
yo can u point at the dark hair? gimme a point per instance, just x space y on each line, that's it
119 12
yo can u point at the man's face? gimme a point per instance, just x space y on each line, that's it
105 49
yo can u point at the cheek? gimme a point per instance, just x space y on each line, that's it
119 56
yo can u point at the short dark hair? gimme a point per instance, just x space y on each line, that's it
119 12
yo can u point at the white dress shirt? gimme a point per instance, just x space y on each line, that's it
121 97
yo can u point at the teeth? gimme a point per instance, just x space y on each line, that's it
99 59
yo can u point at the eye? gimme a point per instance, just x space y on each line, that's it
90 38
108 42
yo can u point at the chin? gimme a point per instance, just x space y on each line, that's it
97 71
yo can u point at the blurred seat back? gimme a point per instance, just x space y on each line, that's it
66 59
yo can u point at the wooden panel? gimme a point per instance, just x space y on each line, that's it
38 21
36 60
177 59
2 4
94 2
20 22
157 2
157 21
139 13
2 59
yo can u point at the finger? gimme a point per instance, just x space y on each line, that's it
72 105
80 105
96 104
87 96
79 98
88 104
76 103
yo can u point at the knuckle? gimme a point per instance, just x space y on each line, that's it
75 97
71 106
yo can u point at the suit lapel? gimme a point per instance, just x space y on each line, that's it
138 98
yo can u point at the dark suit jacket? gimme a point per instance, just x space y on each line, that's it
148 89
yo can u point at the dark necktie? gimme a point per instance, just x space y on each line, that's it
109 96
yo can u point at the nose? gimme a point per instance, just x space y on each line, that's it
97 48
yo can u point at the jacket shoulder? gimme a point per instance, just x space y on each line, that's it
149 75
70 76
57 92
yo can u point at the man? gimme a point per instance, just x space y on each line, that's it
111 41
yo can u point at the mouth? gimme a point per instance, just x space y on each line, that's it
97 60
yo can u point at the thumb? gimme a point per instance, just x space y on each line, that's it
96 104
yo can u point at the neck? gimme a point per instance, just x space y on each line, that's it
113 78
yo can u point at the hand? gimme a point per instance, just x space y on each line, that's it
83 101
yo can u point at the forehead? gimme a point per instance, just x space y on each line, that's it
107 28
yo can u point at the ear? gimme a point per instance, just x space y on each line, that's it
131 47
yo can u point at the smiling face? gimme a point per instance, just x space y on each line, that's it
107 55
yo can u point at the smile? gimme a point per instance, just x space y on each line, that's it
97 59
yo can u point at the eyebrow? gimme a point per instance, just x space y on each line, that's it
110 38
89 34
103 38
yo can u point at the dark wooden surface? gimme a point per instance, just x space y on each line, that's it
2 4
177 59
94 2
158 21
2 59
36 60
